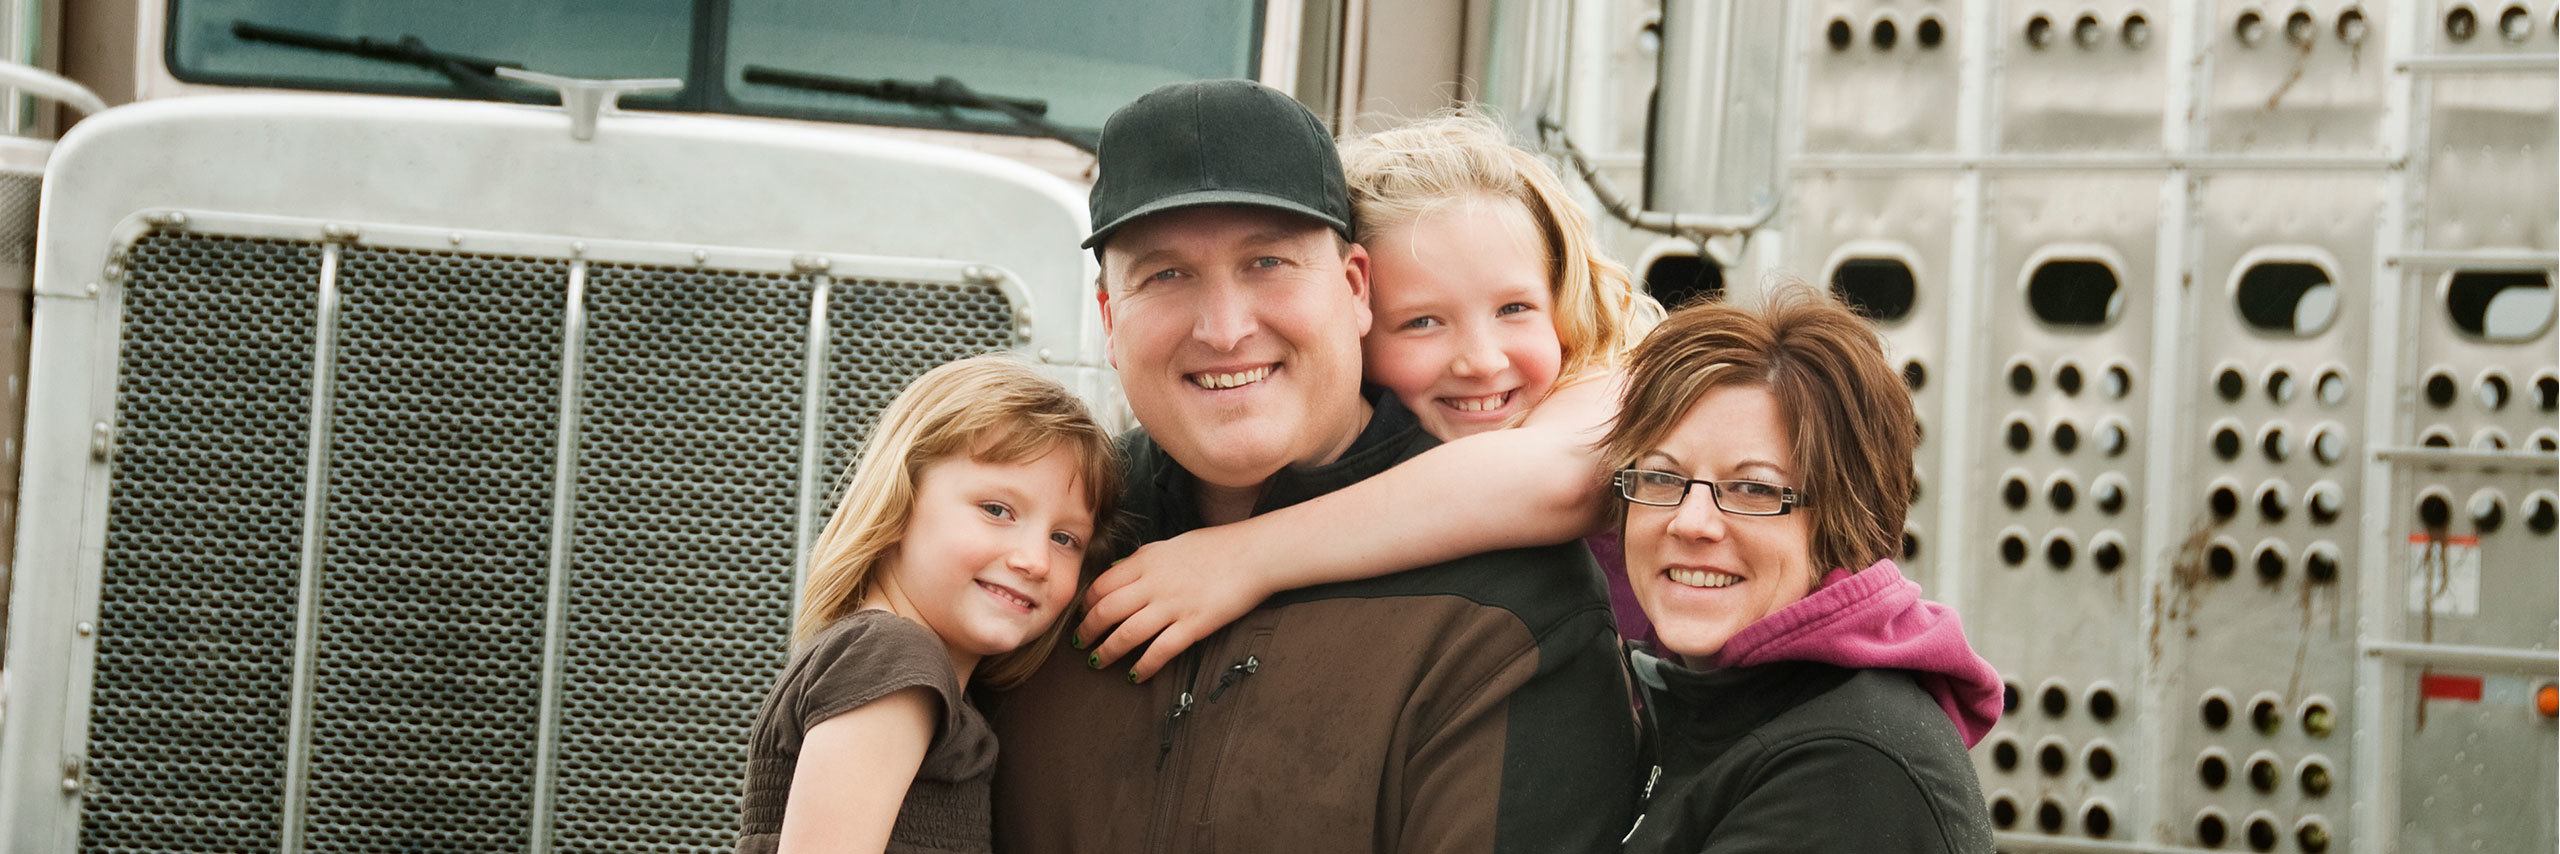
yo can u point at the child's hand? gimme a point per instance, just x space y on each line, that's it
1175 592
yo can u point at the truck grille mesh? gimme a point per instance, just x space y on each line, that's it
882 334
18 192
438 540
194 663
437 521
680 582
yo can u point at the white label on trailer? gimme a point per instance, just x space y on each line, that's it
2444 574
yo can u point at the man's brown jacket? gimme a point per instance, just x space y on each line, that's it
1471 706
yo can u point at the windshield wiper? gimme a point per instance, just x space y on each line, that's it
476 75
944 93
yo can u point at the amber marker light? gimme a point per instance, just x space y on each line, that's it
2546 700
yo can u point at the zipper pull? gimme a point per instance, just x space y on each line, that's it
1235 673
1642 804
1164 744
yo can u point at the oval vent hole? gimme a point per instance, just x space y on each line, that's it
2074 292
2287 298
2500 305
1883 289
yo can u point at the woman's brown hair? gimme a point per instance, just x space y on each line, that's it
1848 414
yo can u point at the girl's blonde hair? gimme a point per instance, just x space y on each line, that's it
997 410
1400 175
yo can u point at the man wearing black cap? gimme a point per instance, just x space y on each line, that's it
1475 705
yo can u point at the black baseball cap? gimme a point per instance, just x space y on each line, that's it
1216 142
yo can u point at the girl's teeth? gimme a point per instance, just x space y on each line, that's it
1702 578
1007 595
1486 403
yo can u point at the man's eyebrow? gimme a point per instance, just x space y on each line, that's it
1270 236
1144 259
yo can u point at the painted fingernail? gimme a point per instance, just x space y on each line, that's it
1075 641
1093 661
1133 677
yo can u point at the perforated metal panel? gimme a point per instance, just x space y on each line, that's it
204 543
2261 611
2298 77
1883 243
680 569
2081 77
438 546
1886 71
2060 428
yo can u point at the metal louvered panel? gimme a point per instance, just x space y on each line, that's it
680 569
428 667
449 611
203 554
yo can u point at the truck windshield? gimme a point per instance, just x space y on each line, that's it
1082 60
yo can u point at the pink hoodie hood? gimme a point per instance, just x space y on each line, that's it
1876 619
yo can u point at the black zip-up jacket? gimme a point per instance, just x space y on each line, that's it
1473 706
1803 757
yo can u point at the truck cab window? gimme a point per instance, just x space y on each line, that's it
1072 64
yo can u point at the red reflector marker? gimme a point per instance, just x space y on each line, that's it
2440 686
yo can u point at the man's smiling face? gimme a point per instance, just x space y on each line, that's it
1236 331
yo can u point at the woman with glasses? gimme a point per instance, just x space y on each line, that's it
1806 697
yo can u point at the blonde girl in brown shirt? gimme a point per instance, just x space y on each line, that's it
962 537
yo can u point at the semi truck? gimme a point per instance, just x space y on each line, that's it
421 415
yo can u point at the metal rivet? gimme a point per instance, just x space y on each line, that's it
340 233
701 256
84 628
810 263
454 238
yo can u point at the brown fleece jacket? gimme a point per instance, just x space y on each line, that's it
1471 706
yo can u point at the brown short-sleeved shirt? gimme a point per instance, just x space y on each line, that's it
864 657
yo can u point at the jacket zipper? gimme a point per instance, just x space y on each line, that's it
1169 785
1233 674
1182 703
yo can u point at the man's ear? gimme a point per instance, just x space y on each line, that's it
1102 299
1355 268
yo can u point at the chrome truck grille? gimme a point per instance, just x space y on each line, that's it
453 634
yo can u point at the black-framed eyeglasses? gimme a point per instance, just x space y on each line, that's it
1738 497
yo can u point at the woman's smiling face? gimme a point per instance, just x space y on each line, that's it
1464 331
1703 574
